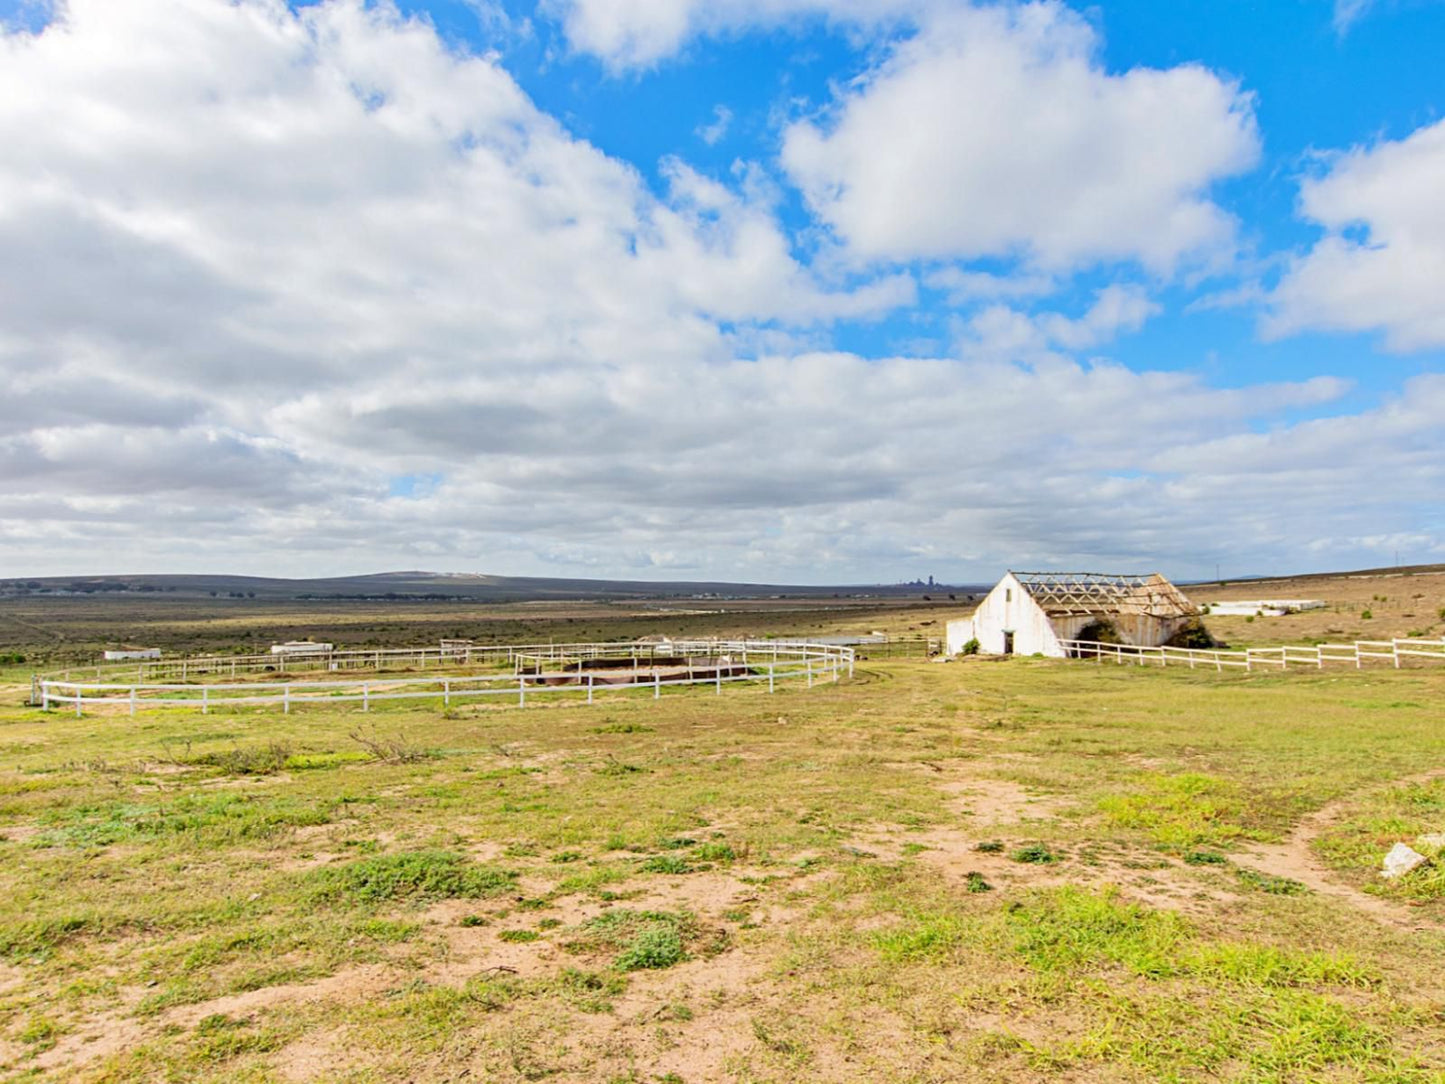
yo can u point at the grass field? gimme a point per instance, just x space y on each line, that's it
935 872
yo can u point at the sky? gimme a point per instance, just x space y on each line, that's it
803 291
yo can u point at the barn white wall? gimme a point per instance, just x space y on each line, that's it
1008 607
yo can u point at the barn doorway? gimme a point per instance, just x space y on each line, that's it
1008 643
1102 631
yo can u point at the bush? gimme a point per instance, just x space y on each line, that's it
1035 853
654 948
413 875
970 648
1194 635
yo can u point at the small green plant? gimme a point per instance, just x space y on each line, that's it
1366 615
622 728
991 846
970 648
615 767
519 936
1204 858
975 882
715 852
667 863
473 921
653 948
1035 854
1267 882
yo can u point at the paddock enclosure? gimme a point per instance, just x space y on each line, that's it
510 673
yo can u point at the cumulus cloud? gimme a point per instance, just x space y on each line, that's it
998 132
1381 263
260 266
639 33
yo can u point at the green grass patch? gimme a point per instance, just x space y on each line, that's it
412 876
1180 811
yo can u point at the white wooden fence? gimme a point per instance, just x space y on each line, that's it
705 662
1396 651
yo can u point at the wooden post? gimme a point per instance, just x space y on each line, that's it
771 667
286 700
446 693
77 701
589 688
132 700
656 682
205 699
521 691
366 696
718 674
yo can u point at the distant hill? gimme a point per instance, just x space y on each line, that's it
437 587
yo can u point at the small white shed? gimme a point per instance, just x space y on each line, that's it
1031 613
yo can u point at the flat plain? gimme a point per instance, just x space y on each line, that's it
977 870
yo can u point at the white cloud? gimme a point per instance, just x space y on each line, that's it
964 287
639 33
713 132
1381 264
998 132
998 331
258 266
1349 12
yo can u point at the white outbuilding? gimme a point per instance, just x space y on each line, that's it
1033 613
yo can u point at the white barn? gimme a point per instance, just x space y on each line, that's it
1031 613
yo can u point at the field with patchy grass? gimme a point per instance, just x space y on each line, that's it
1359 607
935 872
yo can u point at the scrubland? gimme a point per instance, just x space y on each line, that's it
978 870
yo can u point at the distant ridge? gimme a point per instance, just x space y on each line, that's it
443 586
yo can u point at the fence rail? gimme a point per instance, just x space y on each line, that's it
1354 654
685 662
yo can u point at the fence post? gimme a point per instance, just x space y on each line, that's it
366 696
772 666
1395 650
77 701
446 693
205 699
132 700
809 662
718 674
521 691
1248 659
286 700
589 688
656 683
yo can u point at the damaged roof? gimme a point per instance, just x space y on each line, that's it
1072 593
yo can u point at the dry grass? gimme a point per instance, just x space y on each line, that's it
822 885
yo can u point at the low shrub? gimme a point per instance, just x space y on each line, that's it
410 875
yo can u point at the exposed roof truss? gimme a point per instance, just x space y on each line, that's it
1067 593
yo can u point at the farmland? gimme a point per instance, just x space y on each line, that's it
974 870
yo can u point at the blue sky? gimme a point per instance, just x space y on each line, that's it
843 291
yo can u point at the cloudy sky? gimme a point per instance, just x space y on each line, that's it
788 290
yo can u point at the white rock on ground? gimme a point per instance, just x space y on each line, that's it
1431 839
1401 860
